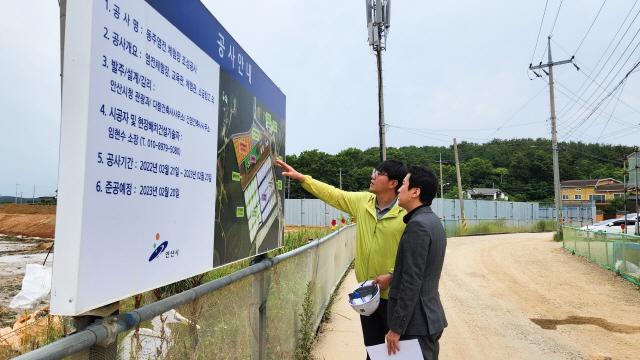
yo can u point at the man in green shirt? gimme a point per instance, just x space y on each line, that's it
379 227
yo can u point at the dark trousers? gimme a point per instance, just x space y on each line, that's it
374 326
429 344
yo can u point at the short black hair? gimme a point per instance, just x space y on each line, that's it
426 181
394 169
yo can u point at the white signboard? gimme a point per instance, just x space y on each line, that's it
138 155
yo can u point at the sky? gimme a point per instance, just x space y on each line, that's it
451 69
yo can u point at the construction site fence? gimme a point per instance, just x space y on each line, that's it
264 311
575 214
617 252
315 212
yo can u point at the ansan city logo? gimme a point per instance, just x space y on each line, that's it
158 249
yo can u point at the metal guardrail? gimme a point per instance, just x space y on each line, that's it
104 333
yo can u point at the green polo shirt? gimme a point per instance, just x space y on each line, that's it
376 239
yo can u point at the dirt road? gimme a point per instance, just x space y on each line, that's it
521 296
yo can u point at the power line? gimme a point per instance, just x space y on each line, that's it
568 127
556 19
539 31
519 110
584 110
427 133
501 126
612 112
621 133
615 87
619 98
575 98
582 132
579 100
437 138
440 130
564 147
620 83
582 90
590 26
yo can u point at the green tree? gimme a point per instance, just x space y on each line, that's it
520 167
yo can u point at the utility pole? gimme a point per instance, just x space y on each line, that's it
460 197
16 199
340 178
624 184
378 24
381 126
554 136
441 182
33 199
636 185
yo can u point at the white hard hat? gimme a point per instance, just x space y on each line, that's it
365 298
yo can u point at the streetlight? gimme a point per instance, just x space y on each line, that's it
378 24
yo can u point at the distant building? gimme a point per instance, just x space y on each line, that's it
597 190
46 200
486 194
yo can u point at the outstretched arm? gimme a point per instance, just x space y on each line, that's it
343 200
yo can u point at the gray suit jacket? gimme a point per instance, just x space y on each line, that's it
414 306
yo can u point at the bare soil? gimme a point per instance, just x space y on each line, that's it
520 296
28 220
28 209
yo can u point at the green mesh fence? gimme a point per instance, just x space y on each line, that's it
616 252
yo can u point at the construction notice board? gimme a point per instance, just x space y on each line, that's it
169 134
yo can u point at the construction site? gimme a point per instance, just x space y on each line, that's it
200 179
500 306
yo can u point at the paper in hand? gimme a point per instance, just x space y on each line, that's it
409 350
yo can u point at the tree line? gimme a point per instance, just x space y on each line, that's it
520 167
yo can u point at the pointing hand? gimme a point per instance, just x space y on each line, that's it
289 171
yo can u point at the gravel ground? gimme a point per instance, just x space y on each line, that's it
517 296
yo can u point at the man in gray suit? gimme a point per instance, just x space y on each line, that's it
414 308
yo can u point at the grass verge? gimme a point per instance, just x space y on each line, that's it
500 227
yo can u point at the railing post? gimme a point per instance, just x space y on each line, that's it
606 251
589 248
624 259
259 311
107 351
